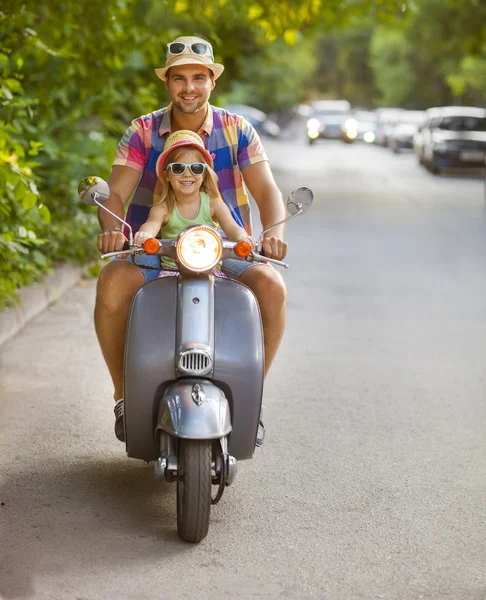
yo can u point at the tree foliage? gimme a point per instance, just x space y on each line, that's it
390 56
430 52
436 56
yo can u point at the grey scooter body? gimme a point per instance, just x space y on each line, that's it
173 316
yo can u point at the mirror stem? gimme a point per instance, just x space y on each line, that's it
260 239
130 241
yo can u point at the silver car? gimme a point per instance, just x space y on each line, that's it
453 136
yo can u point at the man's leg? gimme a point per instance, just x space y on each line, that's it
117 284
269 288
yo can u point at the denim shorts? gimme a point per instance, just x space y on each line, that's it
232 267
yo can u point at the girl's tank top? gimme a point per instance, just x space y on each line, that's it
177 223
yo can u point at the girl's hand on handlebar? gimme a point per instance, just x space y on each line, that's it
140 238
248 238
111 241
273 247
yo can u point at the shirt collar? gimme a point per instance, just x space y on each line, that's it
165 125
206 127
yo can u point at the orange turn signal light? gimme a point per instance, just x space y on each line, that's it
243 249
151 246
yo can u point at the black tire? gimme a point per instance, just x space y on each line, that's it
194 490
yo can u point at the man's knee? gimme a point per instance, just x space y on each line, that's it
267 284
117 284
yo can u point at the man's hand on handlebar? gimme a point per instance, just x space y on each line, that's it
273 247
111 241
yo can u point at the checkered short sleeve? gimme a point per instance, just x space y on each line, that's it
250 147
131 150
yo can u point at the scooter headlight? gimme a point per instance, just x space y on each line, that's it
199 248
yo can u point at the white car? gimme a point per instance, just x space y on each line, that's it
452 136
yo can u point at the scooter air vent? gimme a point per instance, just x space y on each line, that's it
195 362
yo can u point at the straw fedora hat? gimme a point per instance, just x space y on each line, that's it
188 57
183 137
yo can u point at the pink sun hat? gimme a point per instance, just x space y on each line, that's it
178 139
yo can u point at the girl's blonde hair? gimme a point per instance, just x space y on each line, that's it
209 183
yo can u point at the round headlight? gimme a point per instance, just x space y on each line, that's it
199 248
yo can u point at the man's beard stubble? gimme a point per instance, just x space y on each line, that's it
193 111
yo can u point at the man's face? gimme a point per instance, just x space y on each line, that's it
189 87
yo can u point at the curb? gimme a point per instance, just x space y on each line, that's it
35 298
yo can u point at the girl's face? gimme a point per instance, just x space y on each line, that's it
187 183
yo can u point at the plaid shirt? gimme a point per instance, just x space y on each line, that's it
232 142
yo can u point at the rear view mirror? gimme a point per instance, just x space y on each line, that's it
300 200
93 191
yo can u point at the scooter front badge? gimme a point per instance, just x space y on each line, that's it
198 394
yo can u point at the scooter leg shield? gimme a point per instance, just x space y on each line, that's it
149 363
194 409
239 361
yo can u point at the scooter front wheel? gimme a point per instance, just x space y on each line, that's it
194 489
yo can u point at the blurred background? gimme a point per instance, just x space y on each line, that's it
73 76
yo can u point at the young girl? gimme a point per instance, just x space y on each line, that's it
189 195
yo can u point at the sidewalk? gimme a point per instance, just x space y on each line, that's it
36 298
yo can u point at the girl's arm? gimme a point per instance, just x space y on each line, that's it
152 225
221 213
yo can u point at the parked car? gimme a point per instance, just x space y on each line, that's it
327 119
260 121
361 126
407 124
418 137
453 136
386 119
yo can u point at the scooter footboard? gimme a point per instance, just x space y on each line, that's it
194 409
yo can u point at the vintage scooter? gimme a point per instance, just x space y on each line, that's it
194 363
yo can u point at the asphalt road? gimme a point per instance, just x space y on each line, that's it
372 480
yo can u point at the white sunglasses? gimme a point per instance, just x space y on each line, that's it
200 48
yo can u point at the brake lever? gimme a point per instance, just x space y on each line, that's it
261 258
126 249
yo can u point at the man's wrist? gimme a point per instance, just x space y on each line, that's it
113 229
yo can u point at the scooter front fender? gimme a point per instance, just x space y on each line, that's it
194 409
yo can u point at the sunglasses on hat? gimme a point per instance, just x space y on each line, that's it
179 168
201 48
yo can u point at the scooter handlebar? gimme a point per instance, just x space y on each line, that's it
228 252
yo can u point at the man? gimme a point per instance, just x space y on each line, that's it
189 75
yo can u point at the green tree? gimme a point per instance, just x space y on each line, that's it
438 49
343 69
394 76
469 80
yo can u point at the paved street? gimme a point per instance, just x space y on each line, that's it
372 481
